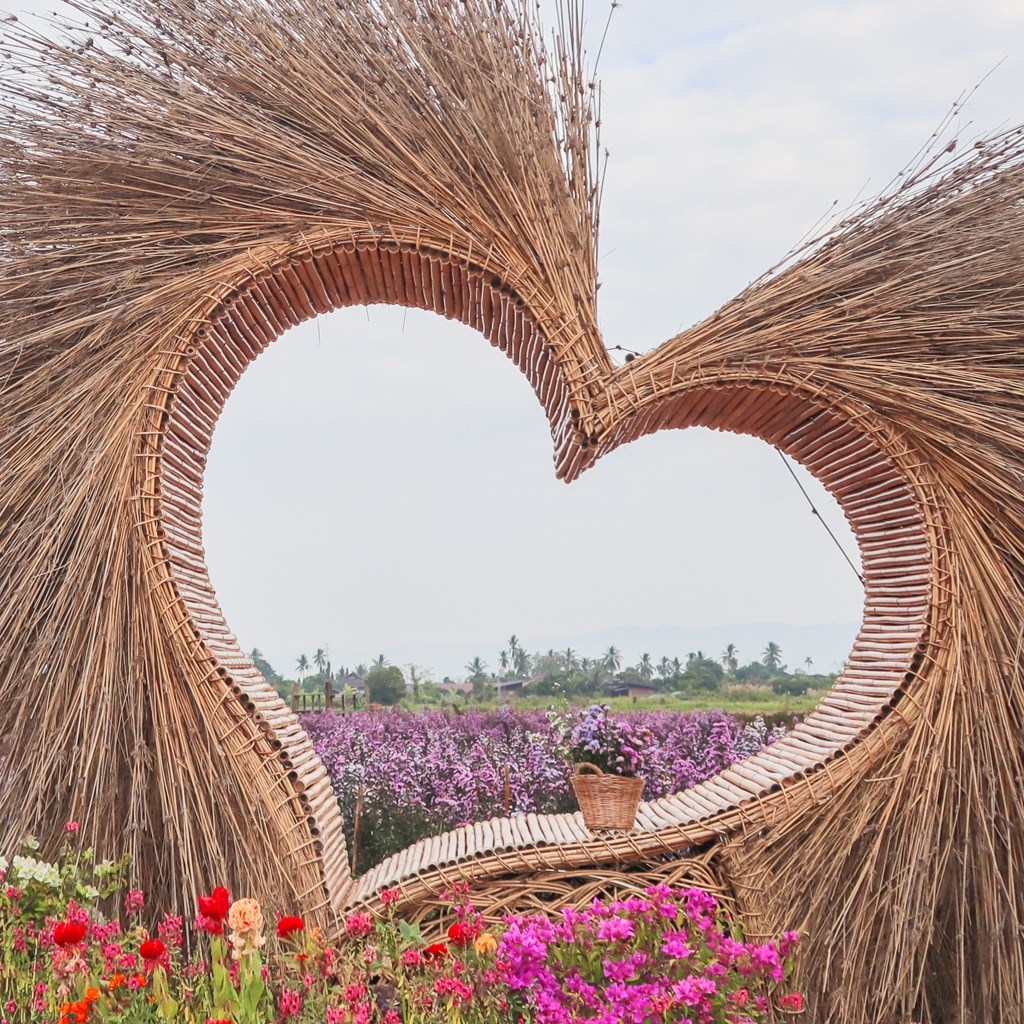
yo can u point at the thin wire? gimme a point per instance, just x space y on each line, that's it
835 540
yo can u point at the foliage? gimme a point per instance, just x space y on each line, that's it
482 689
798 683
669 957
385 684
426 772
264 667
771 657
702 673
390 969
580 679
41 888
665 958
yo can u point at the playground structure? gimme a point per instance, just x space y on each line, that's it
185 182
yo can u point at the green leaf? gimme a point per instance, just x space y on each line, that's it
410 932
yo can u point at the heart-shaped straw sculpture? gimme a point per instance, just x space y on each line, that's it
184 181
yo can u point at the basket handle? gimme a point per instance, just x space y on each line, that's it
580 765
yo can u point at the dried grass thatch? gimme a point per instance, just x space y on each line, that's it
159 167
183 181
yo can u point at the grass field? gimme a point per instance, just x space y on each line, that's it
745 704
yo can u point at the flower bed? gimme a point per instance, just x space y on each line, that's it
669 956
424 773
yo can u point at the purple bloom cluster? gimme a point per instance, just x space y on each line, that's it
425 772
666 956
608 741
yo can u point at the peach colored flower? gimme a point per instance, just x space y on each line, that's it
486 944
246 921
245 915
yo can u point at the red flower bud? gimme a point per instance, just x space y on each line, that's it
68 933
153 953
288 926
462 933
215 906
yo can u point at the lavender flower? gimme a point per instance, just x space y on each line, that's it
423 773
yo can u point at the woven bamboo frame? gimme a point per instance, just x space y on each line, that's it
216 173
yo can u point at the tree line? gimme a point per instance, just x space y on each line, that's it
566 672
573 673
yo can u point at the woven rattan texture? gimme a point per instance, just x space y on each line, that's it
606 801
182 182
548 892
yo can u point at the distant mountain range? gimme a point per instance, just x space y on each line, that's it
827 645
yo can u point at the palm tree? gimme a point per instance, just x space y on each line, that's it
612 659
729 658
808 662
585 664
513 646
414 676
664 667
380 661
570 658
771 657
476 667
303 666
503 661
677 667
320 659
521 663
645 668
361 670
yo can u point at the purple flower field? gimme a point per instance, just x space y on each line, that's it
426 772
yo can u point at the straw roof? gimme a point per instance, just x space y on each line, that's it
183 181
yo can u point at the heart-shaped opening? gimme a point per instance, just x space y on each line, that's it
592 410
380 482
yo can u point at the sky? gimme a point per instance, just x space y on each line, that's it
382 478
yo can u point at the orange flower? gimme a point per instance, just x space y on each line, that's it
116 981
78 1012
245 915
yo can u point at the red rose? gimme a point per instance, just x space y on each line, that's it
215 906
153 953
437 951
68 933
462 933
288 926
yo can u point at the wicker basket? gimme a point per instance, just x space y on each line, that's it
607 801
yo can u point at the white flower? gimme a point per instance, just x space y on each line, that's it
28 869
